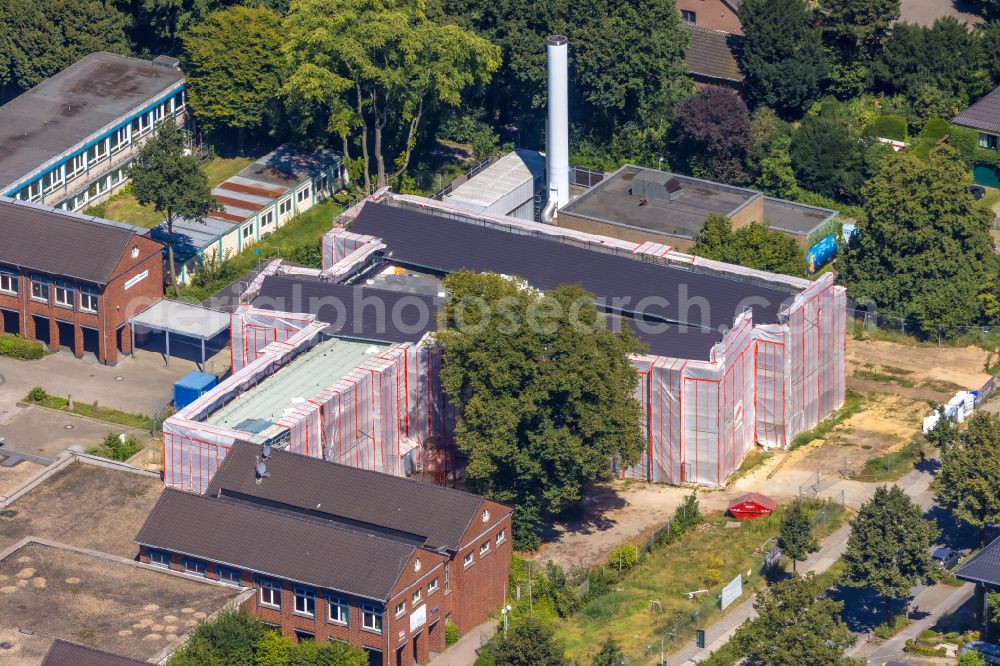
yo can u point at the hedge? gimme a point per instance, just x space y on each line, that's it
889 127
15 346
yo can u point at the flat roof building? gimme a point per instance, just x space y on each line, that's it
69 140
507 187
640 204
340 553
73 281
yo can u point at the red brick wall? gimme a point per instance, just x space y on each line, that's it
712 14
481 588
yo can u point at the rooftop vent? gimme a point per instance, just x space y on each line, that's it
655 186
167 61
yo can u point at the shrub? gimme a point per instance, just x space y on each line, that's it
935 129
116 447
624 557
891 627
924 650
14 346
37 394
450 633
889 127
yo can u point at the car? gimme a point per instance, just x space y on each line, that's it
946 558
977 191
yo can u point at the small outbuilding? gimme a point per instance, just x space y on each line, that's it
751 505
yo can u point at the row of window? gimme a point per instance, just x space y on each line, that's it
988 141
42 290
484 549
267 219
119 139
96 189
418 595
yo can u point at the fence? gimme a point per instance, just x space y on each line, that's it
447 189
870 322
584 177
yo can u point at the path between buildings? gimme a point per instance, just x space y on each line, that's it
464 652
916 484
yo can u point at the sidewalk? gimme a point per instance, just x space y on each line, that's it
463 653
916 484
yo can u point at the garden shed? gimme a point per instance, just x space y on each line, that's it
751 505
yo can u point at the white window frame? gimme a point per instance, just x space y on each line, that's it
307 597
76 165
88 302
501 537
447 577
694 17
303 194
194 567
377 618
985 139
224 575
53 180
470 559
400 608
343 608
9 283
120 139
64 296
273 589
246 232
42 286
159 558
284 206
432 587
415 599
484 548
267 218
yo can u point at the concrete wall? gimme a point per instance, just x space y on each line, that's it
631 234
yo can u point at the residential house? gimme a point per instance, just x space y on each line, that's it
712 14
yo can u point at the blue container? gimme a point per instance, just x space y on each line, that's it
191 386
821 253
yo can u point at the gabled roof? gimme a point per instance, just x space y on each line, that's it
756 498
983 115
35 238
64 653
275 543
712 54
984 567
432 516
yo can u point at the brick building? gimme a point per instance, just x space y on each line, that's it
73 281
712 14
340 553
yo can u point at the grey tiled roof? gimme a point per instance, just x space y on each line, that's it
64 653
983 115
276 543
984 567
40 239
712 53
421 513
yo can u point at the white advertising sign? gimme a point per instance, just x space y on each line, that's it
132 281
418 617
730 593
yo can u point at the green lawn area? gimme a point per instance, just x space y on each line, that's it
992 197
108 414
652 599
123 207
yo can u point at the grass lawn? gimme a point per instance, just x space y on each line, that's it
853 401
124 207
891 466
652 598
118 417
992 197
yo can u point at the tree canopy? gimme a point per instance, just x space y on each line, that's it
924 251
796 625
795 538
827 156
752 245
889 547
610 654
711 132
376 67
543 393
863 24
529 642
968 484
165 176
782 55
233 68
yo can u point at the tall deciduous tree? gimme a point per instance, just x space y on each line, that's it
234 68
753 246
165 176
711 132
376 66
888 550
795 538
543 393
968 484
924 251
529 642
39 39
796 625
783 54
864 24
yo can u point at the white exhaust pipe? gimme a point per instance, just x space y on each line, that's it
557 140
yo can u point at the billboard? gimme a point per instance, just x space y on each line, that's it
731 592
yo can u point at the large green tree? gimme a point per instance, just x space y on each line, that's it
234 69
38 39
752 245
171 180
610 654
372 68
544 393
711 131
783 54
827 156
796 625
923 251
888 550
968 484
529 642
795 537
863 24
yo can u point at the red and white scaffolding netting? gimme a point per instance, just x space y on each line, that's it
252 330
344 252
376 417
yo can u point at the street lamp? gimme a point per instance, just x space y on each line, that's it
505 610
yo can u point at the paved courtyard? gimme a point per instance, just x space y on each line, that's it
925 12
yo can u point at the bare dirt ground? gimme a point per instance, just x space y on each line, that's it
890 416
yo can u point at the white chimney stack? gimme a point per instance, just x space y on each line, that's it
557 141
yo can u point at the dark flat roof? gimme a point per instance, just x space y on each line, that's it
60 244
445 245
365 313
983 115
275 543
65 109
64 653
437 517
984 567
614 200
793 217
